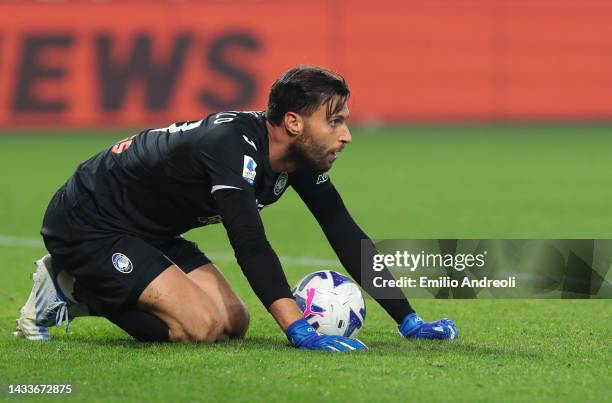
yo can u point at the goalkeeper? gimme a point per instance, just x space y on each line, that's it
113 230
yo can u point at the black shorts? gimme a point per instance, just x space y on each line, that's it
111 270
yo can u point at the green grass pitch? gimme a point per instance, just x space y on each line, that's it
478 182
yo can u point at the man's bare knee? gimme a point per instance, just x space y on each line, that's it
176 333
210 328
191 315
238 321
206 328
214 284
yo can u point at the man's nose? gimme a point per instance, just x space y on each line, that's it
346 137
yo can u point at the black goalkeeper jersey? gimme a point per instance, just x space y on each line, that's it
161 182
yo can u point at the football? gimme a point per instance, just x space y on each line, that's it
331 302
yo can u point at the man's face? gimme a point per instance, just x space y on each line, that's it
322 138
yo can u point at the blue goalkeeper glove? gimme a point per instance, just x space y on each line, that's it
302 335
413 327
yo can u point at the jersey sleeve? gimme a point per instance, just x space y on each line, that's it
345 236
231 160
310 184
254 254
226 158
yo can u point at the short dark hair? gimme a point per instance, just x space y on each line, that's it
303 89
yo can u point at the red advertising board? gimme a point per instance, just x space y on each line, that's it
140 63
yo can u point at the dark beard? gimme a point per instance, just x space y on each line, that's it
303 154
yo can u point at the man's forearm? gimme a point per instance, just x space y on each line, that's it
348 251
256 258
345 237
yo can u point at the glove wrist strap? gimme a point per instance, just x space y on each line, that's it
298 331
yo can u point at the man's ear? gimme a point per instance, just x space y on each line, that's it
294 124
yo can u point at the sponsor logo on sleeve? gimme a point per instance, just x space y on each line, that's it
248 169
215 219
322 178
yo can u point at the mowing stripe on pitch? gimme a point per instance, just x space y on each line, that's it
33 243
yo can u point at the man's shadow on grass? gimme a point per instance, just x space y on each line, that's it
125 341
461 347
276 344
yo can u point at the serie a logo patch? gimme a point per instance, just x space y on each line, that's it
248 169
122 263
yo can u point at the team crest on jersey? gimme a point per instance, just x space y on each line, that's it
248 169
280 184
324 177
122 263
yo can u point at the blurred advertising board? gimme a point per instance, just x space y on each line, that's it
96 64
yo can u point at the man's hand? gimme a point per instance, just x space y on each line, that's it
413 327
302 335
